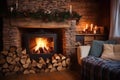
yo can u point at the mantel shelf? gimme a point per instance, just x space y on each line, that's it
35 23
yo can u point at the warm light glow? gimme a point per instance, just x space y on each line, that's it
41 43
86 26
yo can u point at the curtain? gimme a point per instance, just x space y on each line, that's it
115 20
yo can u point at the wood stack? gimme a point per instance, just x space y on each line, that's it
17 60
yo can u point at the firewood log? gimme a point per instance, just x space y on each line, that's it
50 65
63 63
68 61
10 54
13 62
62 56
25 65
23 61
9 59
47 70
53 69
32 71
42 61
2 60
33 63
24 52
28 61
59 64
56 56
47 60
39 65
17 59
26 71
12 49
5 65
5 70
59 68
5 53
55 64
11 67
16 69
53 60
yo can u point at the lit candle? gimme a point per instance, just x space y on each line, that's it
11 9
91 27
86 26
95 29
70 9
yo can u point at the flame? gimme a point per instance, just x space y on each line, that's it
41 42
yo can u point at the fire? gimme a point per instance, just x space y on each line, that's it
41 43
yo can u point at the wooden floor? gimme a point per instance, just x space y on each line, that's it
64 75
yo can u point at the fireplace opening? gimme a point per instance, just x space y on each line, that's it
41 45
42 42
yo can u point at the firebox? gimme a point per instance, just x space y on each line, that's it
41 43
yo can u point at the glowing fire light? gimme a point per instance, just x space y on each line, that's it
41 43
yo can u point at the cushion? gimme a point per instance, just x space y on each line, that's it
97 47
111 51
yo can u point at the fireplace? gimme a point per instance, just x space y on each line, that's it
20 30
42 42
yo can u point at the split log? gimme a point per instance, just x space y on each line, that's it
16 69
55 64
47 70
10 54
56 56
28 61
54 60
2 60
50 65
5 53
39 65
17 59
9 59
5 65
62 56
11 67
34 63
68 61
32 71
12 49
23 61
42 61
47 60
25 66
24 52
59 68
26 71
53 69
63 63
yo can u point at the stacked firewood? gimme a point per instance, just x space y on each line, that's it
16 60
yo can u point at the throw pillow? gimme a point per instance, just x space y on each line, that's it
97 47
111 52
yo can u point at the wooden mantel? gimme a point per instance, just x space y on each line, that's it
35 23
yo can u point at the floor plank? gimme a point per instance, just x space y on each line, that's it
63 75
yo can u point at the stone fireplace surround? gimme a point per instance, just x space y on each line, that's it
12 35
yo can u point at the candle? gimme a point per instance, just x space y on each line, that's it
91 27
11 9
86 26
16 4
70 9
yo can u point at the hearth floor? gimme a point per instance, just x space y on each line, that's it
63 75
